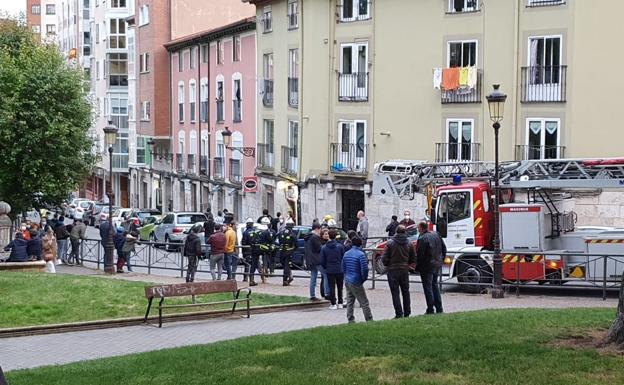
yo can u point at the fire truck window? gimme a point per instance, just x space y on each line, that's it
486 202
455 206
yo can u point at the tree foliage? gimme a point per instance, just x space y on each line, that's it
45 115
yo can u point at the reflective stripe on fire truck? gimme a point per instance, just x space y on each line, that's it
476 205
511 258
604 241
477 222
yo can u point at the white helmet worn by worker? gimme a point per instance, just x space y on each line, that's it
331 223
265 221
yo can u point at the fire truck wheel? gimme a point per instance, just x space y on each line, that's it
555 278
474 274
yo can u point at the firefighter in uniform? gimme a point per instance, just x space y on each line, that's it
268 236
246 243
287 239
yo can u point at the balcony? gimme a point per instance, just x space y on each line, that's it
218 170
529 152
463 6
265 156
463 95
457 152
348 158
544 3
293 92
190 165
220 115
120 162
353 87
179 162
237 111
204 165
267 96
544 84
236 174
354 10
290 161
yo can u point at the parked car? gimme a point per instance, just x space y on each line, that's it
92 212
172 227
119 216
134 219
81 208
70 209
146 231
103 215
412 236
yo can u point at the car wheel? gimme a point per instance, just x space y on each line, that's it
474 274
168 245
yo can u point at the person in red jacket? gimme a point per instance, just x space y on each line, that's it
217 251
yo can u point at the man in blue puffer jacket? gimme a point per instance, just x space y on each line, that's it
331 260
355 268
19 249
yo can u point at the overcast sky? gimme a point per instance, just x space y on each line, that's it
13 6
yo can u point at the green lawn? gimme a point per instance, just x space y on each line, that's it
489 347
36 299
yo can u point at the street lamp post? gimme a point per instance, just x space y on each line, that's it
496 104
227 140
110 133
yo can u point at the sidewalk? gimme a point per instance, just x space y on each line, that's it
54 349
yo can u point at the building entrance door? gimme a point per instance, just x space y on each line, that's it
352 202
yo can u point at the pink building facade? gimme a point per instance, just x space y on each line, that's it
213 88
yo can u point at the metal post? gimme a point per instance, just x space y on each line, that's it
604 278
497 291
109 266
149 258
373 269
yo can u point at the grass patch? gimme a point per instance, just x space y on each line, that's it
486 348
38 299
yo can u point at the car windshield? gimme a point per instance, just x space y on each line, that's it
187 219
84 204
144 214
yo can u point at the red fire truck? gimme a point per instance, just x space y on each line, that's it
539 241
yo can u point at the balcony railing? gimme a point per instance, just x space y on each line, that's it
529 152
544 3
265 156
236 108
463 95
204 165
463 6
236 171
218 171
354 10
220 110
180 162
293 92
267 97
290 161
348 157
190 165
457 152
353 87
544 84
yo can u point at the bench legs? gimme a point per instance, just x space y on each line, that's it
160 312
149 306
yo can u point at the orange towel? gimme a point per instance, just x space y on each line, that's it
450 79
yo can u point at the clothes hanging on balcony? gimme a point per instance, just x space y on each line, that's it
472 77
463 77
450 79
437 78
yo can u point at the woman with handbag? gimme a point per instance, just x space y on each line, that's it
50 250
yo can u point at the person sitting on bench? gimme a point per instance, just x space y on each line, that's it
19 249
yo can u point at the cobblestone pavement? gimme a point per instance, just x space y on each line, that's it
34 351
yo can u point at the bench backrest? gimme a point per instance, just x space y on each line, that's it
190 288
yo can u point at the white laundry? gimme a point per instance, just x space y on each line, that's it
437 78
472 77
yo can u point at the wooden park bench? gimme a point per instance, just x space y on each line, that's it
193 289
32 266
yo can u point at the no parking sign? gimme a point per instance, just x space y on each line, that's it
250 184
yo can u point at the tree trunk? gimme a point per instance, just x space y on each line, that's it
616 331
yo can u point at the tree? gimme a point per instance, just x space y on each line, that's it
45 115
616 331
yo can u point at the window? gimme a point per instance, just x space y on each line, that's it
144 15
36 29
236 48
237 104
350 151
266 150
192 57
97 70
118 3
293 7
204 54
192 99
35 9
120 151
220 52
267 73
267 19
181 101
353 77
542 141
457 6
220 95
145 111
116 107
50 9
293 77
293 145
97 33
117 36
454 207
180 61
117 69
140 149
268 135
545 59
459 139
203 99
51 29
144 62
352 10
462 53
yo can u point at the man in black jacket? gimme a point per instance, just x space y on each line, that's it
431 251
209 225
313 259
399 256
192 250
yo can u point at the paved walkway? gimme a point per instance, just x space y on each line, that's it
34 351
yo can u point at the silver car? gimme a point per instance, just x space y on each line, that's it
173 225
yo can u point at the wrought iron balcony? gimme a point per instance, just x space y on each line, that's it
190 165
180 162
354 10
463 95
218 170
293 92
348 158
457 152
544 84
267 96
529 152
290 161
236 171
265 155
353 87
544 3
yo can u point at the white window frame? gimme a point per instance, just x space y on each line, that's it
192 100
181 101
544 37
355 11
144 15
144 63
347 90
543 136
203 99
237 77
220 79
475 8
448 51
354 163
544 91
220 50
460 122
294 159
292 13
117 36
117 4
267 19
181 143
192 143
145 111
192 57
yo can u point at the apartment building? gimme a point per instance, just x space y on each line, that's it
41 18
213 99
348 83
